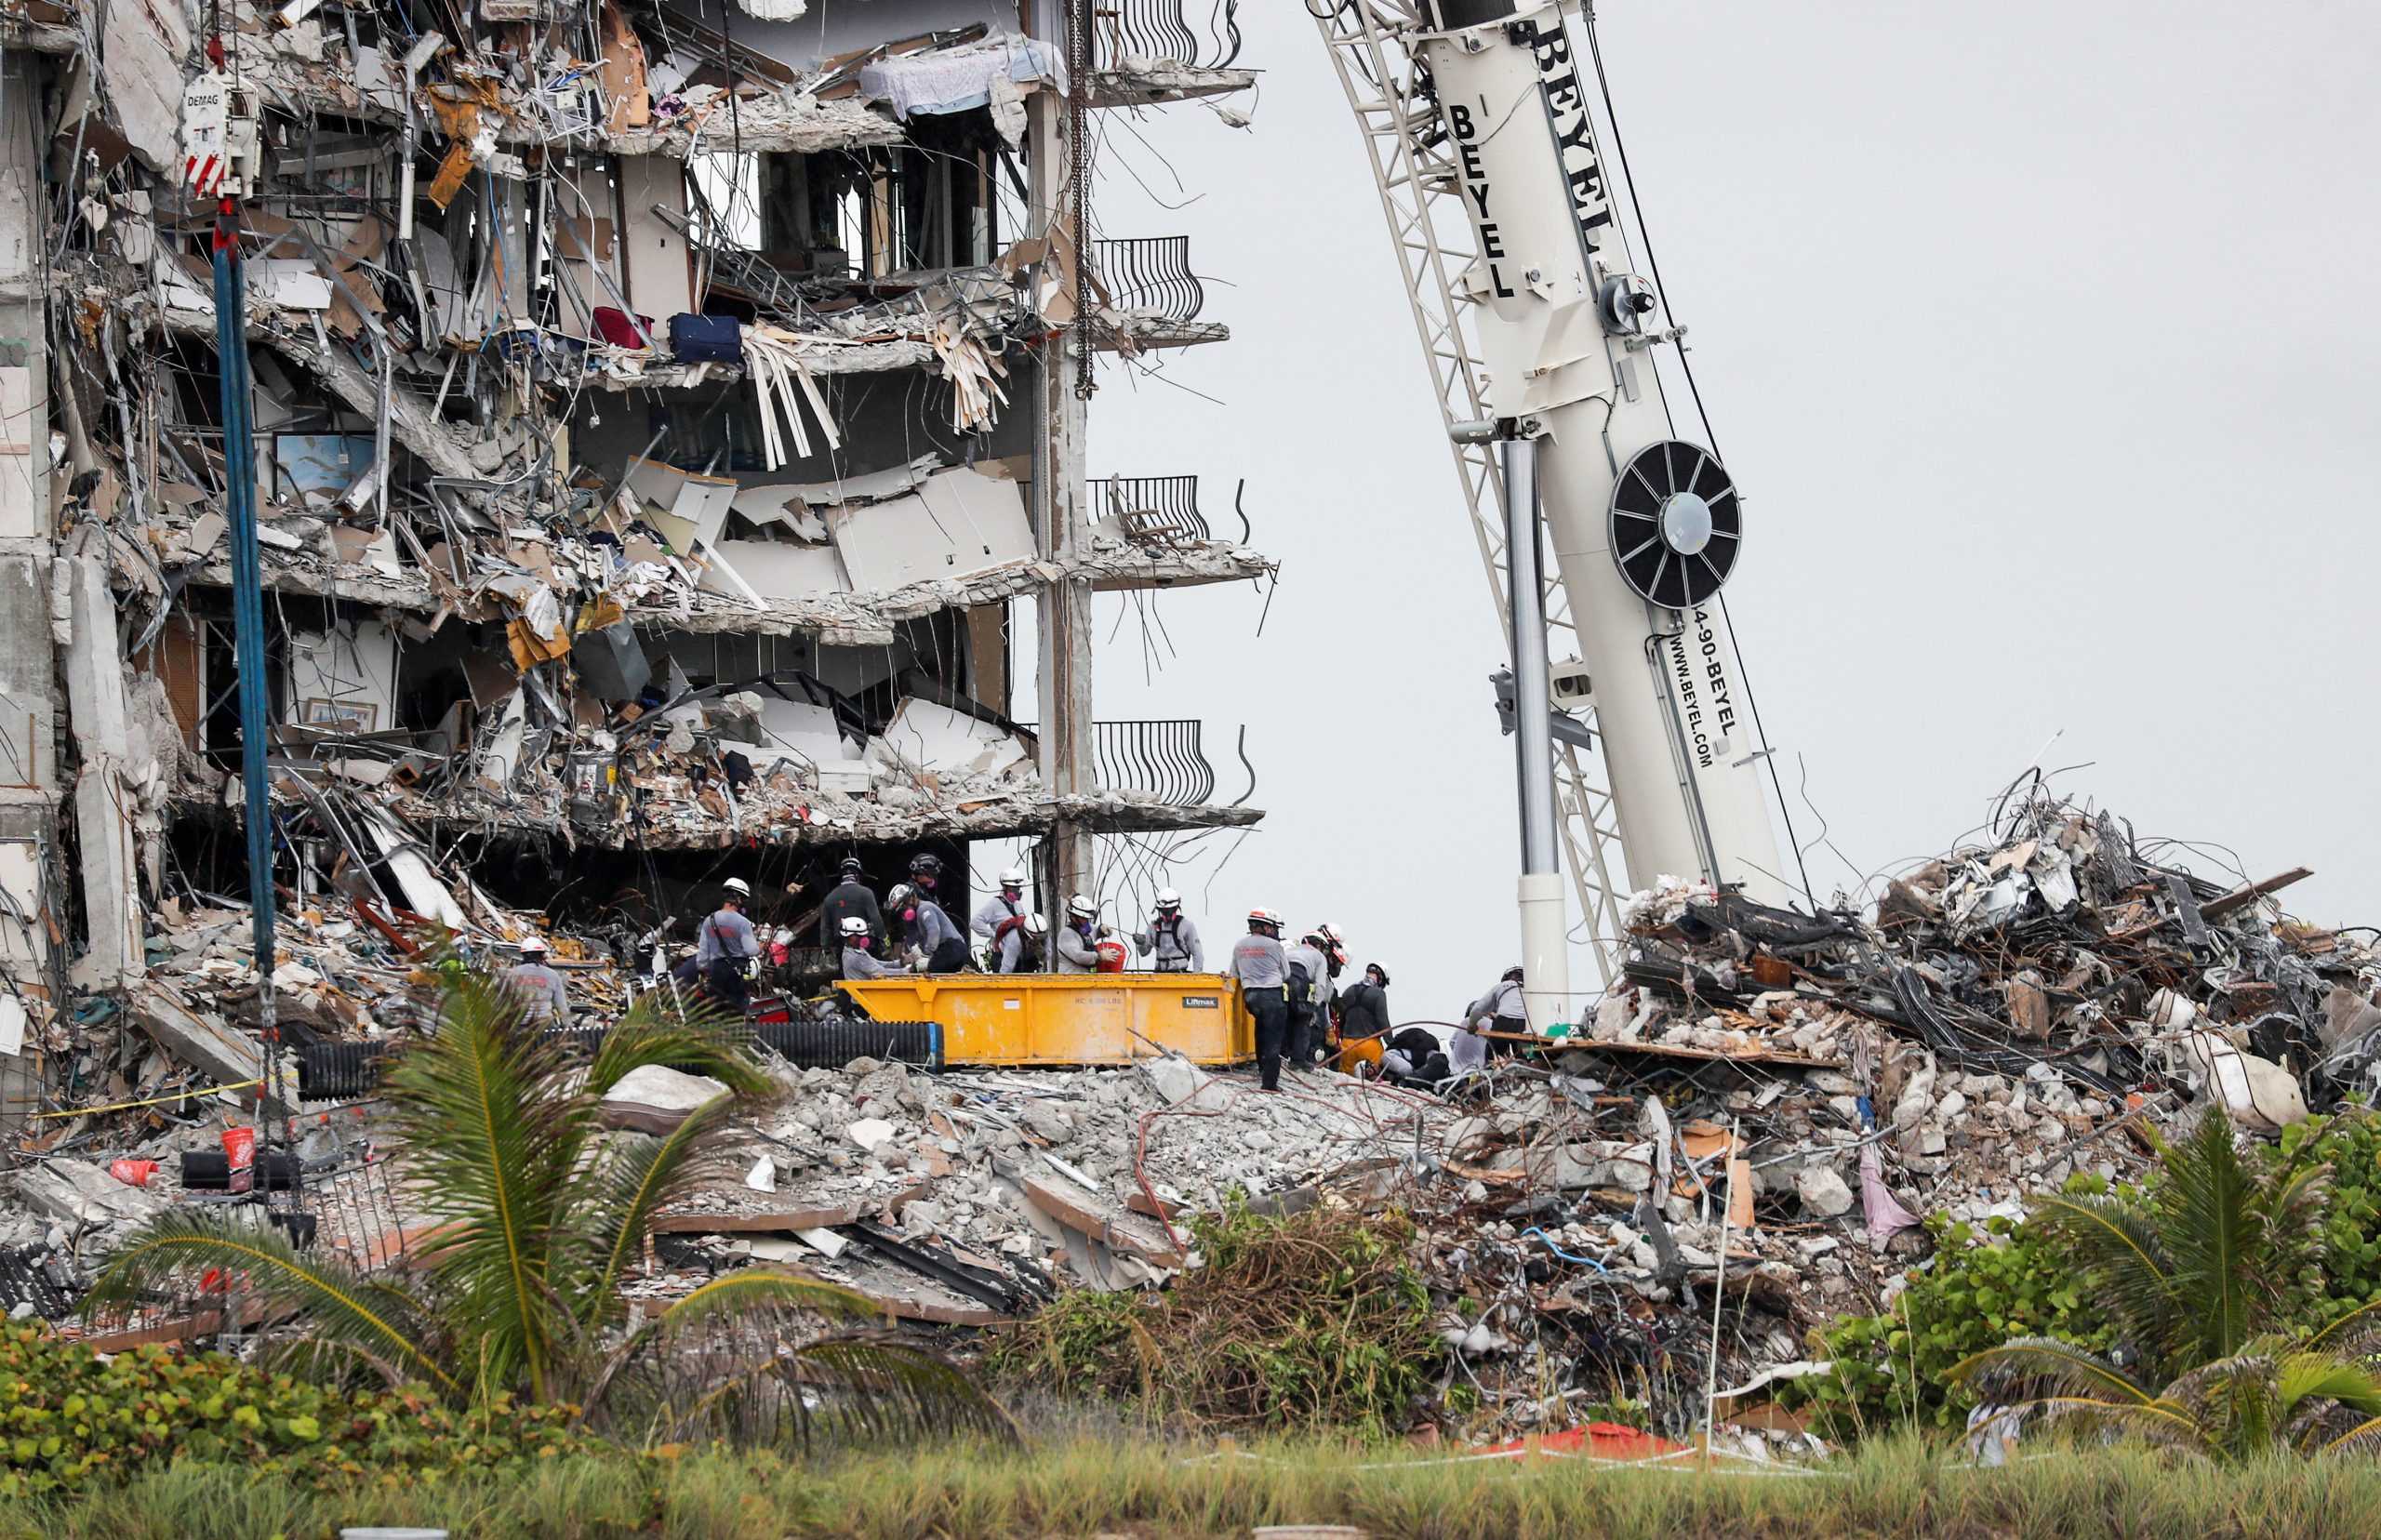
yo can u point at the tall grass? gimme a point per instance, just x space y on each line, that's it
1160 1491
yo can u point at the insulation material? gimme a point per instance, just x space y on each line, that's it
805 731
953 80
961 521
345 679
927 737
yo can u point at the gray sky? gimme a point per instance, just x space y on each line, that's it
2040 337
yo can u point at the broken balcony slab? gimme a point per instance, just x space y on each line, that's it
1151 83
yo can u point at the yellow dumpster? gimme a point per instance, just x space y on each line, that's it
1069 1019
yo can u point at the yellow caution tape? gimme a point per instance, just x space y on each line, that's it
153 1101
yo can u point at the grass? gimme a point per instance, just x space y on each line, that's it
1151 1491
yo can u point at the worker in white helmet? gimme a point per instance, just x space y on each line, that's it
1310 982
1024 948
858 961
1001 915
1075 945
1264 974
1170 939
726 944
1501 1011
537 985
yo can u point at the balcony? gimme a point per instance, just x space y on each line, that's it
1154 299
1162 758
1134 34
1150 52
1161 510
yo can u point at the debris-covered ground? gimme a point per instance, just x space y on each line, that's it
1764 1106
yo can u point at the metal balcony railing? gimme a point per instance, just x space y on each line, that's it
1159 508
1163 757
1149 273
1158 756
1159 30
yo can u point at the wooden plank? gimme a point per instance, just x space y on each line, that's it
1667 1050
2216 908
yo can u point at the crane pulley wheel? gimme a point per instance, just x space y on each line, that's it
1675 523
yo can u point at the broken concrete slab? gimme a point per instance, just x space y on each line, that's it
653 1098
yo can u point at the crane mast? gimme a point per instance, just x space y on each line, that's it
1535 317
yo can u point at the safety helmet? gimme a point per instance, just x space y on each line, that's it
1330 933
1168 899
738 886
1082 908
1036 925
1262 918
851 867
854 925
533 946
1013 878
1513 974
1313 938
1378 971
926 866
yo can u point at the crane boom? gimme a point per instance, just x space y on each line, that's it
1541 321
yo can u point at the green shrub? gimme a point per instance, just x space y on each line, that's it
1975 1293
2351 1143
69 1416
1313 1320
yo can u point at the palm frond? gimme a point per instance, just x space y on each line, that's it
2349 1329
765 1288
2210 1223
2159 1422
2364 1439
2037 1368
2116 1247
639 1176
378 1317
651 1032
495 1139
2306 1377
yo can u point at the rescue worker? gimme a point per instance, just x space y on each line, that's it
1075 945
1412 1057
1364 1019
1170 939
1024 948
925 926
725 946
1500 1010
1263 970
1310 983
858 963
1335 958
848 896
1002 916
537 985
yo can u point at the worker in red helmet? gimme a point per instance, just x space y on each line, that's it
1264 973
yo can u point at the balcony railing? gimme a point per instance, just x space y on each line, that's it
1149 273
1131 29
1161 756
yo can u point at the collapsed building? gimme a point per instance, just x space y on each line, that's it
666 420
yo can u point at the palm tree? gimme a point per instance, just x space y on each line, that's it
541 1214
2194 1273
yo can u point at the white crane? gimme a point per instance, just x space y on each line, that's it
1540 332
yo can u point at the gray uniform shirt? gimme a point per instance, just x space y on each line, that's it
1177 945
932 927
1012 951
857 963
541 991
1318 967
1076 952
727 934
995 909
1504 1001
1258 962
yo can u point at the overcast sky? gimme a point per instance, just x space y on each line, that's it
2040 337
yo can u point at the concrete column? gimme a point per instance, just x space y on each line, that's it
104 824
31 911
1063 625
